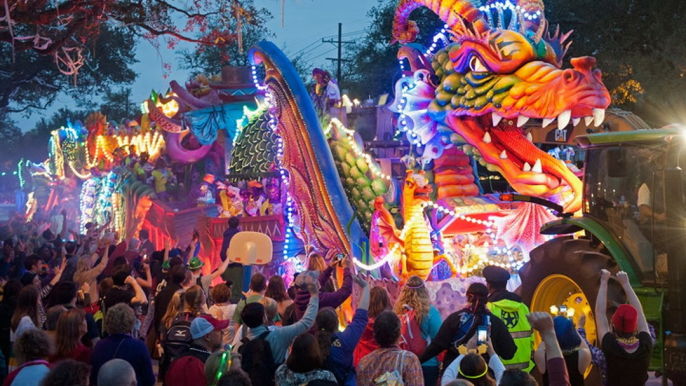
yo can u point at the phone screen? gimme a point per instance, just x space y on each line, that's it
482 335
563 309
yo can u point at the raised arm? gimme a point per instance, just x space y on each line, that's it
601 306
147 282
139 297
555 363
623 279
222 267
364 300
288 333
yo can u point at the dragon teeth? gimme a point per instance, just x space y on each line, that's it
563 119
496 119
547 121
503 155
575 121
529 137
598 117
521 120
487 138
527 167
538 168
587 121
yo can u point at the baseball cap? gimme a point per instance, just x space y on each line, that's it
625 319
204 324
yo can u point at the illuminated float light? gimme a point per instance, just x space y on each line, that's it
170 108
507 5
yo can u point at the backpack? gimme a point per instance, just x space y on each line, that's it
395 377
467 327
178 338
257 360
411 333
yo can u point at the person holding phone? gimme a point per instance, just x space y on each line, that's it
575 352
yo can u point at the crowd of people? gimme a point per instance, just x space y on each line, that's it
87 311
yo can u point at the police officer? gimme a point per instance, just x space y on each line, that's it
496 281
509 308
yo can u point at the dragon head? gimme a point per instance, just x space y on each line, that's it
493 80
416 189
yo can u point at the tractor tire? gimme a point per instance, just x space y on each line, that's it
577 260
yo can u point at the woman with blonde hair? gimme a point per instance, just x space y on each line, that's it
315 262
184 306
71 327
86 273
414 301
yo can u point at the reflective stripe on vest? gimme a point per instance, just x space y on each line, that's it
513 315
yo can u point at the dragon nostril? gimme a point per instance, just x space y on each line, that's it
568 75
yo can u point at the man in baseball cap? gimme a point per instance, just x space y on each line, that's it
206 332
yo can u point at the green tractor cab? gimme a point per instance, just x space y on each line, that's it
634 220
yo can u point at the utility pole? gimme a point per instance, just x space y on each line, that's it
339 59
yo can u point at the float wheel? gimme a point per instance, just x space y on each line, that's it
566 271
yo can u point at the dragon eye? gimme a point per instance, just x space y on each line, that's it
475 65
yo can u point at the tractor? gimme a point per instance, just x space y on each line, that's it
633 220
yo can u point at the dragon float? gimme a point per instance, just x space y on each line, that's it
501 68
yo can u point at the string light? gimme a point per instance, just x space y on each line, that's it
359 152
507 5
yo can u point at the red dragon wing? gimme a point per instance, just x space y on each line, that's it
383 234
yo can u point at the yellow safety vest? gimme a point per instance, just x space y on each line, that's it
513 314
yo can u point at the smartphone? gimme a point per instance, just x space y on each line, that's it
563 309
482 335
145 258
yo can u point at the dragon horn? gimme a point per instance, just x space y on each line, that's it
450 11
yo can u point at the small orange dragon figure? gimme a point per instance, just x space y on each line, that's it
413 244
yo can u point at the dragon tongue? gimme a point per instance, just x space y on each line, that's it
515 143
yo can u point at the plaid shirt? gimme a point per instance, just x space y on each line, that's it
383 360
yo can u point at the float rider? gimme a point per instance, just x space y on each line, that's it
509 308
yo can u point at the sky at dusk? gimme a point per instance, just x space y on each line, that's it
306 22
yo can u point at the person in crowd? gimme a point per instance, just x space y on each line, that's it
159 177
71 327
67 372
31 349
337 347
145 245
271 310
276 289
44 291
65 295
7 306
121 275
222 309
234 272
71 259
389 357
472 366
378 303
86 273
459 327
279 339
220 363
414 301
628 346
462 382
542 322
119 323
206 332
304 364
508 307
234 378
326 299
25 316
575 351
315 262
116 372
258 284
177 275
195 266
53 317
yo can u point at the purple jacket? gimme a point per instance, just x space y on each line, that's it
326 299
